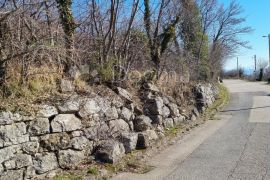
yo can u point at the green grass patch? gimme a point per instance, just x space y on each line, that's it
172 130
93 170
69 176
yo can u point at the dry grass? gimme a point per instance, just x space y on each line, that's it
42 84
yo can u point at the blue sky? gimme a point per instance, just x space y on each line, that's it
257 13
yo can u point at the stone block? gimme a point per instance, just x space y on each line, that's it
65 123
39 126
110 151
129 141
45 162
13 134
69 158
47 111
142 123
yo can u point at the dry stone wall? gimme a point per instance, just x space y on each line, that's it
81 128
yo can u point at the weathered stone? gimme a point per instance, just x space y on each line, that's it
81 143
178 120
126 114
34 138
30 147
165 100
52 174
98 132
18 161
129 141
124 94
184 113
174 109
138 111
117 102
13 134
10 164
192 117
39 126
8 152
13 174
196 112
146 138
1 169
6 117
110 151
119 111
103 101
92 120
117 126
165 111
65 123
47 111
147 95
16 117
111 113
205 95
76 133
154 106
45 162
56 141
168 123
131 125
89 108
157 119
70 106
24 116
29 172
66 86
69 158
142 123
131 107
28 118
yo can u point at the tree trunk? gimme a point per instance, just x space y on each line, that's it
68 24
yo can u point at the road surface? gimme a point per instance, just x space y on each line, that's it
235 147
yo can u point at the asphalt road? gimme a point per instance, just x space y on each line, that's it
235 147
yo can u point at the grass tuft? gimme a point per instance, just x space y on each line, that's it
93 170
69 176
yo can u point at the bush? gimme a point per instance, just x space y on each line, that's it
107 72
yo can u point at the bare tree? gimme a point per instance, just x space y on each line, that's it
225 35
109 35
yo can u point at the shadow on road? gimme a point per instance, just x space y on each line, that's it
245 109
